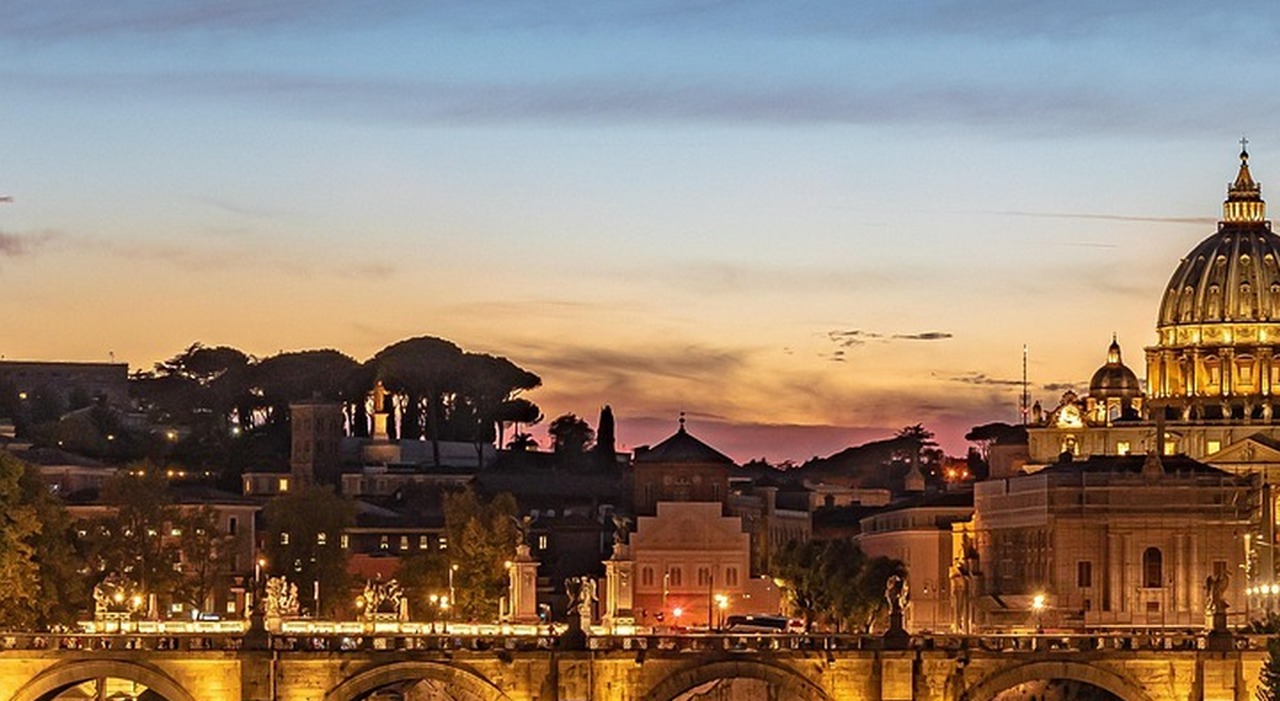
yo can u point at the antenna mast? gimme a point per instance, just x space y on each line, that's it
1026 398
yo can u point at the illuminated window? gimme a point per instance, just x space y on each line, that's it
1122 447
231 607
284 537
1170 447
423 542
542 542
284 484
1212 446
344 541
444 543
322 538
384 543
404 542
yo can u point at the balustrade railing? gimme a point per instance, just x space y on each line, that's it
470 639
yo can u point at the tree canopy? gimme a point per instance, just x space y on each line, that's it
834 583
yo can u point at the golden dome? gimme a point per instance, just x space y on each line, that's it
1232 276
1217 354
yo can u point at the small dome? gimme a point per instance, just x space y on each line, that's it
1114 379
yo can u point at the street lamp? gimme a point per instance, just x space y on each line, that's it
722 603
1037 607
452 598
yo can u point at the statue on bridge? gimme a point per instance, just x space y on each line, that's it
1215 593
383 601
280 599
898 596
897 593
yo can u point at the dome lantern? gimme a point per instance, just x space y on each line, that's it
1244 196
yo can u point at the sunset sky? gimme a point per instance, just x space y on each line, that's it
806 224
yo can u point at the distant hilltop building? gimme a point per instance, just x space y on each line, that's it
69 383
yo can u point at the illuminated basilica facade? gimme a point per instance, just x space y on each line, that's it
1212 370
1209 396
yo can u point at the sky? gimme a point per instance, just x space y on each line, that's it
805 224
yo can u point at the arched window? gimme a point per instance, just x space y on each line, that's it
1152 568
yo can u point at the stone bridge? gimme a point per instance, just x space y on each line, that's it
807 668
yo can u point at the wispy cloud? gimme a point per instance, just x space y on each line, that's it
1109 217
980 378
858 337
18 245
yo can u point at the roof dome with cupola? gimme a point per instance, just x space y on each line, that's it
1219 317
1114 379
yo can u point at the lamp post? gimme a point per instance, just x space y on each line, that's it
1037 607
453 599
722 603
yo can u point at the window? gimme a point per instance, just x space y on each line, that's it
231 525
1084 574
322 538
384 543
675 576
1122 447
704 576
1152 568
284 537
404 542
424 542
731 576
344 541
284 484
646 577
1211 447
542 542
444 543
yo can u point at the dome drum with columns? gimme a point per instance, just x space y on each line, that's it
1216 360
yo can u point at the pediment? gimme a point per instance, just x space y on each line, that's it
1246 450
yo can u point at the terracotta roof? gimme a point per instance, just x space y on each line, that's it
682 448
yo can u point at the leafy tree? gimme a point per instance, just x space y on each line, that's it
833 582
423 575
518 411
206 556
64 591
19 529
1269 676
424 370
303 532
570 435
522 441
481 536
133 540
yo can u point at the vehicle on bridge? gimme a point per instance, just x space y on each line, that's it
762 623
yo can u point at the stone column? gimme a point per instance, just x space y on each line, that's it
619 583
522 586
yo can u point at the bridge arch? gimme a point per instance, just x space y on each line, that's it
65 675
790 683
463 683
986 689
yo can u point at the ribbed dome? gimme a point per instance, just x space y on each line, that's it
1114 379
1232 276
